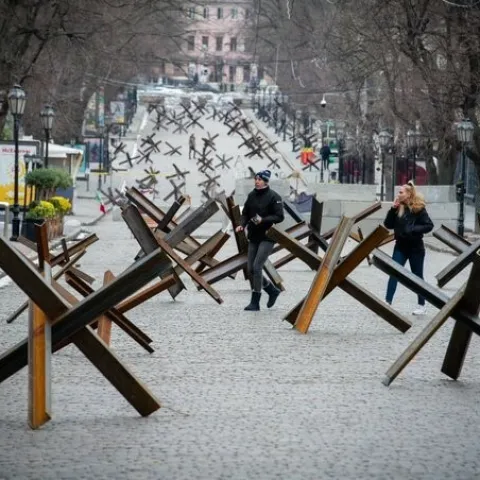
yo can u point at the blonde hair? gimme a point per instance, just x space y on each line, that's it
415 201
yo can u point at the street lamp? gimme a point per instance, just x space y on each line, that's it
101 129
414 141
285 116
385 139
340 139
16 103
47 115
464 135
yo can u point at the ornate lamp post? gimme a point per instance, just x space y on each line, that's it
464 135
48 116
414 141
385 140
285 116
16 103
341 152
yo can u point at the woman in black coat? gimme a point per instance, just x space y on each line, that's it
262 209
409 220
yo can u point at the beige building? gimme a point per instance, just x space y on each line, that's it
216 43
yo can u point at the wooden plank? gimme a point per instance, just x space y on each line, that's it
361 238
462 333
323 276
146 294
39 392
57 275
81 274
316 216
171 212
457 265
197 218
70 321
147 241
423 337
344 268
420 287
43 251
240 237
134 391
190 271
456 242
27 243
292 211
273 275
104 329
74 249
112 314
356 218
39 345
157 214
215 246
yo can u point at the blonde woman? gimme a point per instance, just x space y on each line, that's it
409 219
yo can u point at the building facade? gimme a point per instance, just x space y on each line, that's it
216 44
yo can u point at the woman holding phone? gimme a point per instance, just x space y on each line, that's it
409 220
262 209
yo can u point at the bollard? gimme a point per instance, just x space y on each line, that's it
6 206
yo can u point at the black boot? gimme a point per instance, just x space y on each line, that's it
273 293
254 305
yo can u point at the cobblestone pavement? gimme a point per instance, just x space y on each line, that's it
243 395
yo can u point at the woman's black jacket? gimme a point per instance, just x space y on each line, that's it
269 205
409 228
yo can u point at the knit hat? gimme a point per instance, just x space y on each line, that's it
264 175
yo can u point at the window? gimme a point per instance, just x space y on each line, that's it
219 44
191 43
246 74
233 44
191 12
220 13
205 43
232 73
205 12
234 13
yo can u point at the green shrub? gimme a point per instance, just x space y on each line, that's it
48 178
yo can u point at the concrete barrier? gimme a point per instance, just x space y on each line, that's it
436 193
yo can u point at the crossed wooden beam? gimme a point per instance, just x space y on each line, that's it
70 323
466 250
67 260
463 307
332 272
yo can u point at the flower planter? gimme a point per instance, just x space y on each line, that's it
28 228
54 228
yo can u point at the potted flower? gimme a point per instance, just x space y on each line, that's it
62 207
37 214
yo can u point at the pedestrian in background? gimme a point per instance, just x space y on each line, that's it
262 209
191 146
325 153
409 220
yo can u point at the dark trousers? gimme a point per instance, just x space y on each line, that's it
258 253
191 151
325 163
416 259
